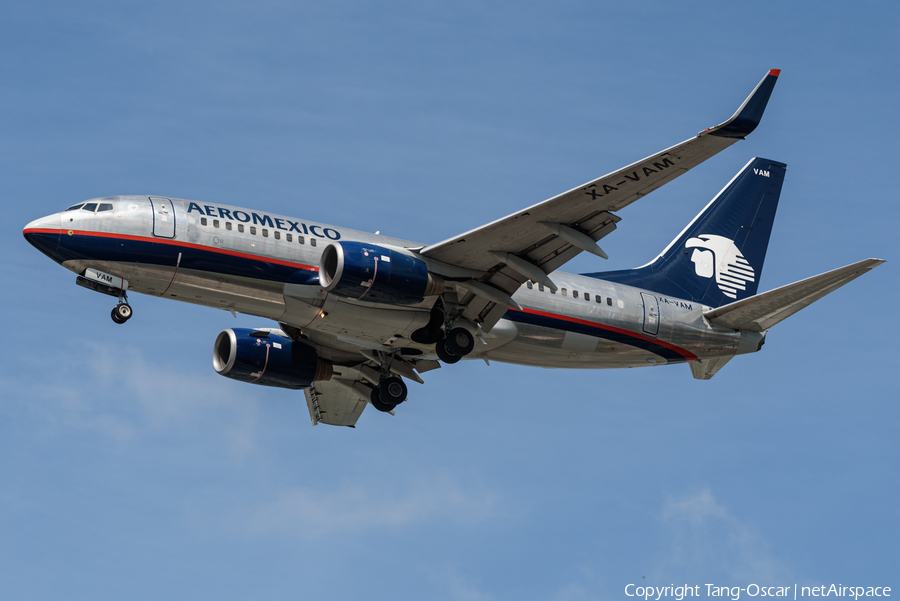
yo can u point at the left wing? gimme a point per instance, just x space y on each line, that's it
530 244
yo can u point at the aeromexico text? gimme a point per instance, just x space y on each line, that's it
265 220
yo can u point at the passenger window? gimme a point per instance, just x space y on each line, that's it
541 287
253 230
300 239
599 298
587 297
105 207
574 294
289 237
227 225
609 301
215 223
278 235
552 291
75 207
530 285
203 221
312 241
89 207
564 292
265 233
241 228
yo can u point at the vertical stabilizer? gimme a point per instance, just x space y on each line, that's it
718 258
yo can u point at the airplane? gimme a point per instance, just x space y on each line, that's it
358 314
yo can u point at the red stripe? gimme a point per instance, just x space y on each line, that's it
775 72
221 251
684 353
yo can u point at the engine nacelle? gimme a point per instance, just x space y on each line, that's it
367 272
261 357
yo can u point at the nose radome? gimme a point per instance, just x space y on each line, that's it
43 233
50 222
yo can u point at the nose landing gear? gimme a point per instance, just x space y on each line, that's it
121 312
110 285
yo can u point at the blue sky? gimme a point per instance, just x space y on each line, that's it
130 469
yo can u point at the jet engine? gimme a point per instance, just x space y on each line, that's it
262 357
367 272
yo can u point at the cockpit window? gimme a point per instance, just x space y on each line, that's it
75 207
89 207
104 206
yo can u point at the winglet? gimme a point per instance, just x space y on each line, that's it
750 112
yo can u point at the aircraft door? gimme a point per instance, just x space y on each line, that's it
163 217
651 314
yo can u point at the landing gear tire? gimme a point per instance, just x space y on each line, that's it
444 353
459 342
392 391
121 313
375 399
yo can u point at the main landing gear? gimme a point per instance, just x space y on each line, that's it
455 345
450 343
389 393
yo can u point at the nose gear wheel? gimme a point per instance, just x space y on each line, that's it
121 313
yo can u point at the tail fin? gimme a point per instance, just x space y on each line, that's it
718 258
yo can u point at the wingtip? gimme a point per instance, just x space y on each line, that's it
748 116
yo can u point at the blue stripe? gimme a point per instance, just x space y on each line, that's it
96 248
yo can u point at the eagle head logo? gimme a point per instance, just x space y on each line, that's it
718 256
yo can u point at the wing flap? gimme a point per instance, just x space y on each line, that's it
335 402
762 311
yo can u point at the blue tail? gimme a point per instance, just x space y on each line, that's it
718 258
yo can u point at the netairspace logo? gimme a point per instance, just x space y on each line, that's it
679 593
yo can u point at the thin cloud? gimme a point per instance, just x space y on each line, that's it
703 538
311 513
120 394
457 586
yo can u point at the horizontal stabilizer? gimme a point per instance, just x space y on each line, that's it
762 311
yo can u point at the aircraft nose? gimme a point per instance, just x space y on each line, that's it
43 233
